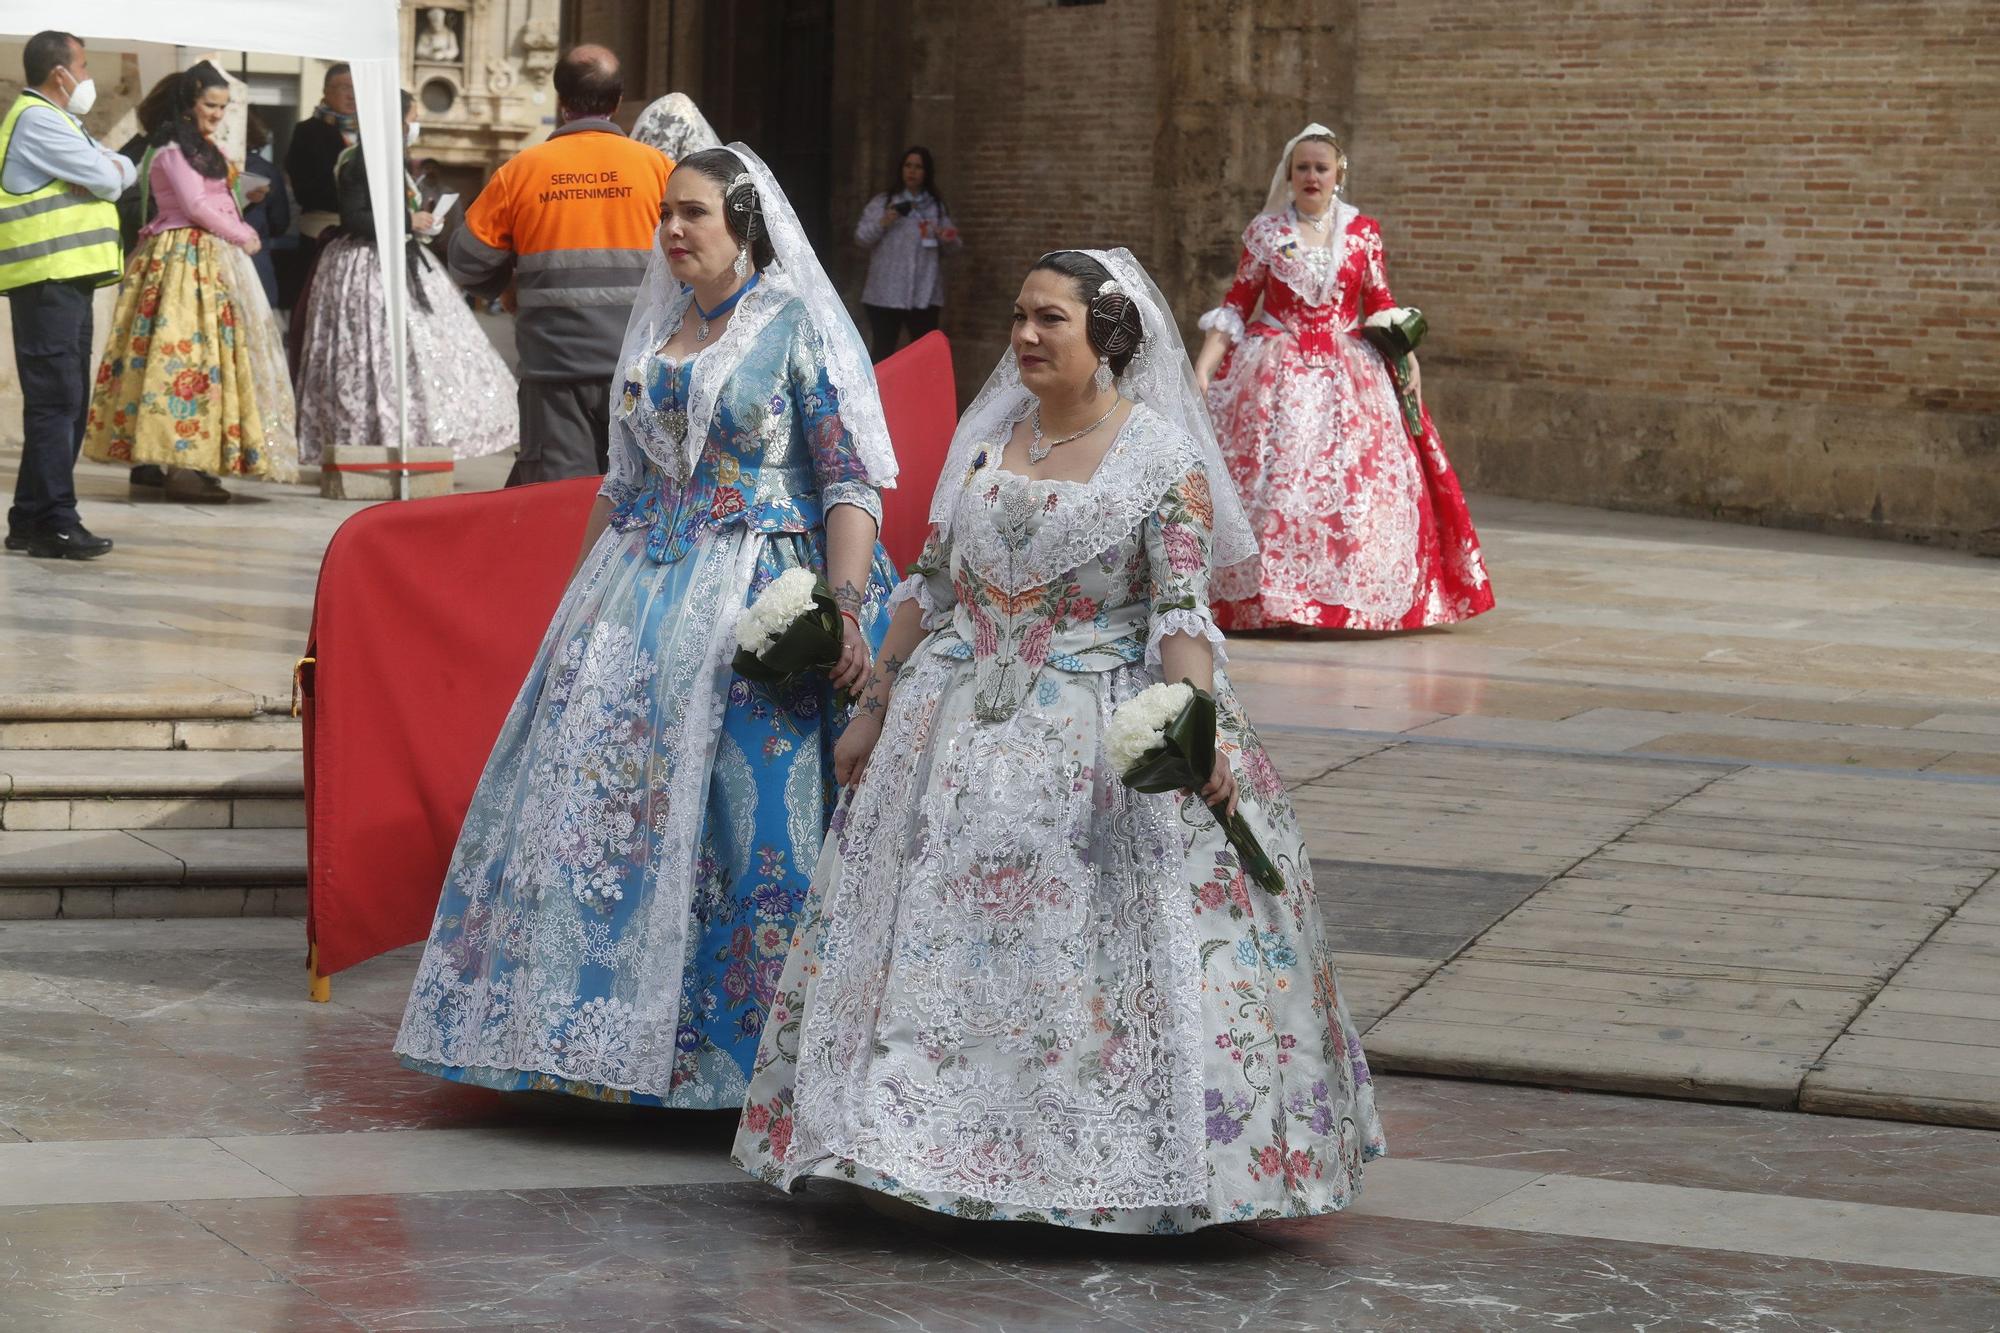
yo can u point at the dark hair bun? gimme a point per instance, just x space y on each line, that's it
1111 318
1115 330
742 211
746 218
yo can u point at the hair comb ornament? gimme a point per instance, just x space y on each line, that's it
1112 332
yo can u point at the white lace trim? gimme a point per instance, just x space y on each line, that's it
916 938
1266 239
1149 455
859 494
916 588
661 302
911 589
714 367
1224 319
526 816
1194 624
1160 378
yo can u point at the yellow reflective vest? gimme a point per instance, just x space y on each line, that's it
56 233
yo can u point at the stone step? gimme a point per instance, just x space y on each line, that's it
96 790
261 732
157 872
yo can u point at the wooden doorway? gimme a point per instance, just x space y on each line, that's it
767 79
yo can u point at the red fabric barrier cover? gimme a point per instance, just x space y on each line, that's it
427 616
921 404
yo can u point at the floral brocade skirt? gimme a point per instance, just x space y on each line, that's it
1359 526
1021 991
461 394
193 373
621 898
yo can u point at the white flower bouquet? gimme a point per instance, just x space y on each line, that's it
793 628
1163 739
1395 333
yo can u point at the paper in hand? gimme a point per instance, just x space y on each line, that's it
438 210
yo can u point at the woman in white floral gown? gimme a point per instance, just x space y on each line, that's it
1020 990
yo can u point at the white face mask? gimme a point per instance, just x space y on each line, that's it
83 96
410 134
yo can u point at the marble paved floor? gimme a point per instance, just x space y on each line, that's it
196 602
186 1145
1700 809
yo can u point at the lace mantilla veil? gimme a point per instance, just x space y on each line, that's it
1160 377
662 301
1279 197
675 126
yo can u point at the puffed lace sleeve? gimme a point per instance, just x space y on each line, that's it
837 465
1178 535
1240 302
1375 296
928 583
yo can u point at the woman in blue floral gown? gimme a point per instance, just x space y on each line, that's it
622 897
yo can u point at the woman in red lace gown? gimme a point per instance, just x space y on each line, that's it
1360 525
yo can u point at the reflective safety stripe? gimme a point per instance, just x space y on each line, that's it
57 244
528 298
54 233
47 203
545 261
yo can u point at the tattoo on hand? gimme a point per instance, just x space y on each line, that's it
870 705
891 667
849 598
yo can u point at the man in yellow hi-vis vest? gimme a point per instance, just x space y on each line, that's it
58 243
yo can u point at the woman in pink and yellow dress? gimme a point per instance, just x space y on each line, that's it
1360 523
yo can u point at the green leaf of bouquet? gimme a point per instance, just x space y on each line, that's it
1164 769
747 665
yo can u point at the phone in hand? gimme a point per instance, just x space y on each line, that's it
904 206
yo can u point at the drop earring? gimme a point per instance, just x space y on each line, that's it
1103 378
742 264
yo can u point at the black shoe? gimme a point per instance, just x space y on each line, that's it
77 543
149 476
17 541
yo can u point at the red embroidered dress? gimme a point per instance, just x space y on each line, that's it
1359 526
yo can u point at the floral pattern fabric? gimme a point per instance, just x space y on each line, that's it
193 368
1019 989
461 394
625 885
1359 525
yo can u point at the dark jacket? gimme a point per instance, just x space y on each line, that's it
132 205
357 218
271 216
357 203
316 148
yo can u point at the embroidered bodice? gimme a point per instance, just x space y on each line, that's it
776 455
1070 576
1314 295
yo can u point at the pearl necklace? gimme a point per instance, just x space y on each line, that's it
1037 450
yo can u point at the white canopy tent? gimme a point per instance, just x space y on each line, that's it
364 33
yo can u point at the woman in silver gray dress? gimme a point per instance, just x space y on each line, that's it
461 394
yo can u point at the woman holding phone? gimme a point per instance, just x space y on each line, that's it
906 227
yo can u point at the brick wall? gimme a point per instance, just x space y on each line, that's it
1732 258
1053 126
1716 256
